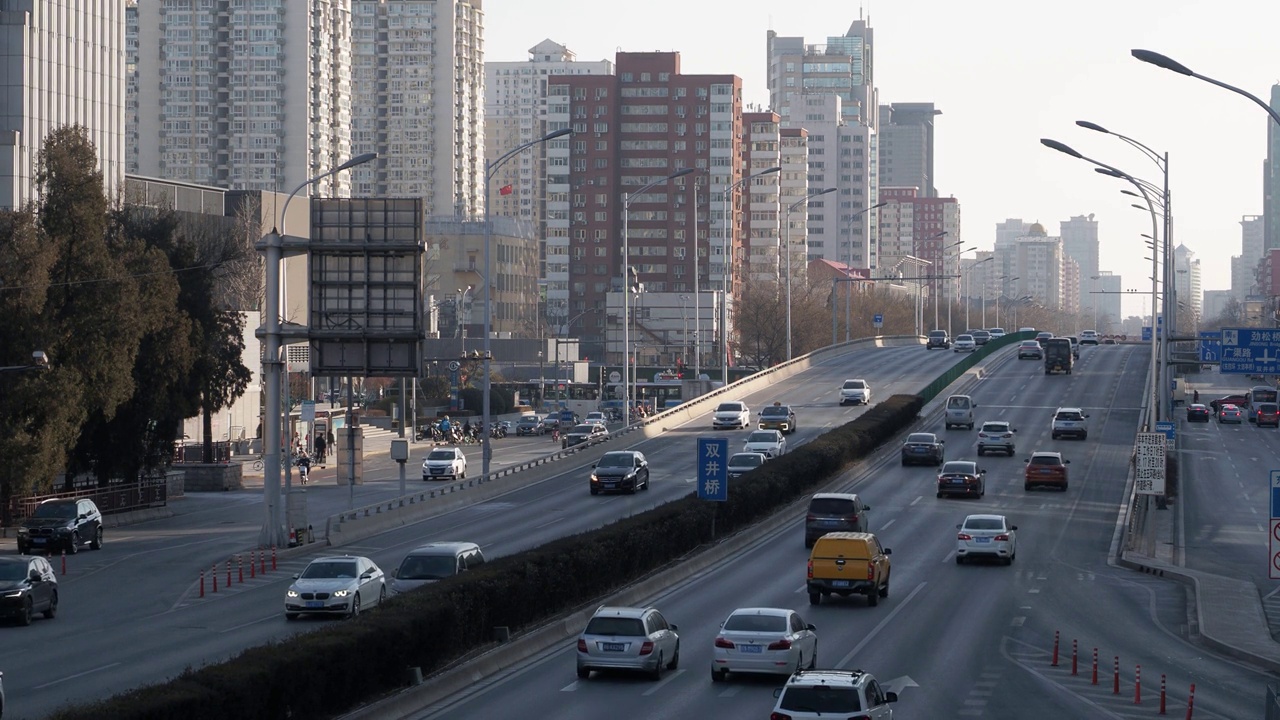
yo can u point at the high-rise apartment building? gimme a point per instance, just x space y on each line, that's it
1039 268
1186 281
906 146
1080 243
61 63
1106 312
1253 230
418 94
1271 177
253 96
920 238
640 125
794 182
761 218
1004 272
829 90
515 96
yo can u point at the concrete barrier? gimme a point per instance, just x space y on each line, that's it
359 523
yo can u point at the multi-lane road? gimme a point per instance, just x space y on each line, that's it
972 641
131 613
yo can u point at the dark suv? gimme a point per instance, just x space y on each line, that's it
938 339
61 524
834 512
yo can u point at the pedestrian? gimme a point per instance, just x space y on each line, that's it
321 448
1195 396
332 442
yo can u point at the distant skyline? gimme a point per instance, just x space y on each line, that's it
1004 74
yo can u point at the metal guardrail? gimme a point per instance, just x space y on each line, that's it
194 453
124 497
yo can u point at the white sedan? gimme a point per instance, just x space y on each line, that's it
764 640
986 536
770 443
964 343
335 585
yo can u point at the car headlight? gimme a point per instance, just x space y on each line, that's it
291 593
341 593
14 593
594 479
23 531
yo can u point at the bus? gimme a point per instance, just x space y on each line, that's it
556 394
1259 394
656 396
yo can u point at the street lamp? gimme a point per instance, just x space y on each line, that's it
726 222
1167 63
1155 272
272 364
942 271
628 379
848 270
945 278
39 361
1002 280
967 302
786 244
489 168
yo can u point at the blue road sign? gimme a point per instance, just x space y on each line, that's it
1210 346
1169 428
713 469
1146 333
1275 494
1250 351
878 319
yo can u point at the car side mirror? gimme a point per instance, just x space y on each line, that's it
1013 527
295 576
674 627
890 696
35 576
1086 416
811 628
777 692
888 551
1012 430
366 576
1028 460
942 442
395 573
1066 462
593 466
982 472
866 507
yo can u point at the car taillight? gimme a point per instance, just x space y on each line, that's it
582 645
779 716
646 648
1002 538
982 435
853 519
810 517
780 645
871 571
964 536
723 643
1008 435
810 575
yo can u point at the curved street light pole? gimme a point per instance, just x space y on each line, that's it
786 245
725 223
272 246
1156 395
1168 63
489 169
628 380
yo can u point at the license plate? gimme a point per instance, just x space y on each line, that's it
1046 471
839 583
611 484
314 604
752 649
437 471
37 541
983 540
830 522
613 647
957 481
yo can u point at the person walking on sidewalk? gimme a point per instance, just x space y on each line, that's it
321 449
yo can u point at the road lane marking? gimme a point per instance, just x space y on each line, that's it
73 677
918 499
663 681
886 525
1018 621
948 557
730 692
251 622
570 687
880 626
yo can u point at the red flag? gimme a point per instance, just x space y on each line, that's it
505 190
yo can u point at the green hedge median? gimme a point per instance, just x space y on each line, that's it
344 664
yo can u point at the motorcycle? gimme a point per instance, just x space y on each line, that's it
304 467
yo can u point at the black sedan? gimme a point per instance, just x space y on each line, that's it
922 449
1199 412
27 586
620 471
962 477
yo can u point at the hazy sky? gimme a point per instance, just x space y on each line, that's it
1004 73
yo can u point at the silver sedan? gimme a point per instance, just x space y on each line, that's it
763 640
335 585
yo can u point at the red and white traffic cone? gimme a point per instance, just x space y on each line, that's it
201 583
214 573
1055 649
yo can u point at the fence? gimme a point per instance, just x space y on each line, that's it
944 380
194 453
112 499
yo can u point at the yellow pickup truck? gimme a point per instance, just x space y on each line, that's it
848 563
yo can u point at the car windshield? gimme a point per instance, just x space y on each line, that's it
1267 407
938 333
756 623
746 460
729 407
831 506
1070 416
820 699
627 627
616 460
984 524
959 403
995 427
427 567
960 467
528 421
62 511
321 569
582 429
10 571
925 438
776 411
965 338
1030 343
440 455
1045 460
762 437
854 385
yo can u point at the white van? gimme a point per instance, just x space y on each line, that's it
959 412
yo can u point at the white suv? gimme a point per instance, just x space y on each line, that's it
1070 422
733 414
996 436
857 392
833 693
1088 337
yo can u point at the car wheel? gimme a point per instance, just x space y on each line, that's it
584 673
815 598
24 617
646 481
290 616
22 549
382 595
959 559
355 606
1026 486
1084 436
595 491
656 672
1064 487
96 543
884 591
980 451
52 611
873 597
808 544
73 546
1053 436
462 475
719 675
675 659
939 494
904 464
1011 451
813 661
1007 561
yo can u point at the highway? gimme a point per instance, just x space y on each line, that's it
131 613
972 641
